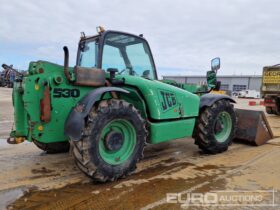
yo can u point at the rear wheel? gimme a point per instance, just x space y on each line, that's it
216 127
53 148
113 142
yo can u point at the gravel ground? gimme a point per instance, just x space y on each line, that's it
32 179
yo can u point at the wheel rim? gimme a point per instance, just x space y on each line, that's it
223 126
117 142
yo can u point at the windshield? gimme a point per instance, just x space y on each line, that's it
128 54
88 54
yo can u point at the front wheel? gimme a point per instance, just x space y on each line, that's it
215 127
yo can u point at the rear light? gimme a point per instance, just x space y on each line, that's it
45 106
269 100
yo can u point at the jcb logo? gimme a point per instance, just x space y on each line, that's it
167 99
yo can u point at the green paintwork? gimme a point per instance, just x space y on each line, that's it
165 131
193 88
134 98
27 103
186 103
129 141
211 79
226 122
20 115
169 108
145 95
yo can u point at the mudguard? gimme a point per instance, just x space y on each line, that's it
75 122
209 99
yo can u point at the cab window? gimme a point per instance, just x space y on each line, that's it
128 54
112 58
88 54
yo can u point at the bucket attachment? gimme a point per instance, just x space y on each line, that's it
252 127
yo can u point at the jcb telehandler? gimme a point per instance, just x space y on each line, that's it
111 104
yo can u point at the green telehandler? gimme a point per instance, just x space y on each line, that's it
111 104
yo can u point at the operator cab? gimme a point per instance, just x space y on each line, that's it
122 53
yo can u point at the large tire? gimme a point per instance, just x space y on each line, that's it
215 127
113 141
53 148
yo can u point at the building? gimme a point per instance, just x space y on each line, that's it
231 83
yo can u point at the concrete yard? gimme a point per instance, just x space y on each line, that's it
32 179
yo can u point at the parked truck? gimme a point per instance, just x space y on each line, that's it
270 89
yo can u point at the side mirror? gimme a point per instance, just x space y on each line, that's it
215 64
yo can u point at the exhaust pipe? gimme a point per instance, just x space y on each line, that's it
66 63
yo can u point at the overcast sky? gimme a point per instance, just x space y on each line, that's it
184 35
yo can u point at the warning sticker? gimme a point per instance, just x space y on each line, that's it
271 77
